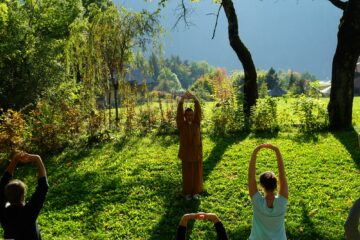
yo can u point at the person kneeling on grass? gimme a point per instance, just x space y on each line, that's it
268 211
181 232
18 219
352 222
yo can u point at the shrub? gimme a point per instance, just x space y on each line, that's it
58 119
227 118
14 131
264 115
311 112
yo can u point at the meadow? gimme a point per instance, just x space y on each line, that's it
130 188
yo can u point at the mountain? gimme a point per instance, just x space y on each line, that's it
283 34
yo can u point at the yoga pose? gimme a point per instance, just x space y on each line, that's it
18 219
190 151
268 211
220 230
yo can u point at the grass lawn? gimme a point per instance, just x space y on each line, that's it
131 188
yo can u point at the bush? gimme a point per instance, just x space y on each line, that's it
14 131
168 116
264 115
227 118
57 119
312 114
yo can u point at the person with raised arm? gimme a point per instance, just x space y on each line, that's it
190 150
268 210
219 227
17 217
351 225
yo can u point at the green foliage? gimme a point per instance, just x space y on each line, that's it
167 114
187 72
263 90
33 35
129 104
58 119
271 78
314 90
312 114
203 88
168 81
226 118
264 115
14 132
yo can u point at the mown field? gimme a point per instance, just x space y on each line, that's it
130 188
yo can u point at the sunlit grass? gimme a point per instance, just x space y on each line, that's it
131 188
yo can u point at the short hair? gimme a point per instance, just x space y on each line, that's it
268 181
188 110
15 191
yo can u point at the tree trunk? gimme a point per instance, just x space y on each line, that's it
109 100
116 87
250 86
343 68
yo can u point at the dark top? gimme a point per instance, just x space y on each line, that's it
219 227
17 220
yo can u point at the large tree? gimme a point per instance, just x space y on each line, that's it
32 37
100 50
243 54
344 63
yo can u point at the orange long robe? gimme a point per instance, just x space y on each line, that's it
190 151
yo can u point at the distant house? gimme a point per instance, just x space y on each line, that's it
136 77
324 84
357 79
326 91
277 92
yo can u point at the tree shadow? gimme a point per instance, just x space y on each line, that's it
121 142
349 139
221 144
308 228
303 137
166 140
176 207
265 134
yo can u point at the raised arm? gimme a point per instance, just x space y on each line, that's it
251 172
38 197
197 116
13 162
219 227
180 112
283 186
6 179
181 231
26 158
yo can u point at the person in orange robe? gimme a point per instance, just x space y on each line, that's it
190 151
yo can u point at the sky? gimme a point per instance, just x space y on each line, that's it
284 34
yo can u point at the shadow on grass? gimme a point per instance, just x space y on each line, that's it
265 134
349 139
306 137
307 228
176 207
123 141
221 144
166 140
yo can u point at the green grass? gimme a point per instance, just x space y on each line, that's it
131 188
